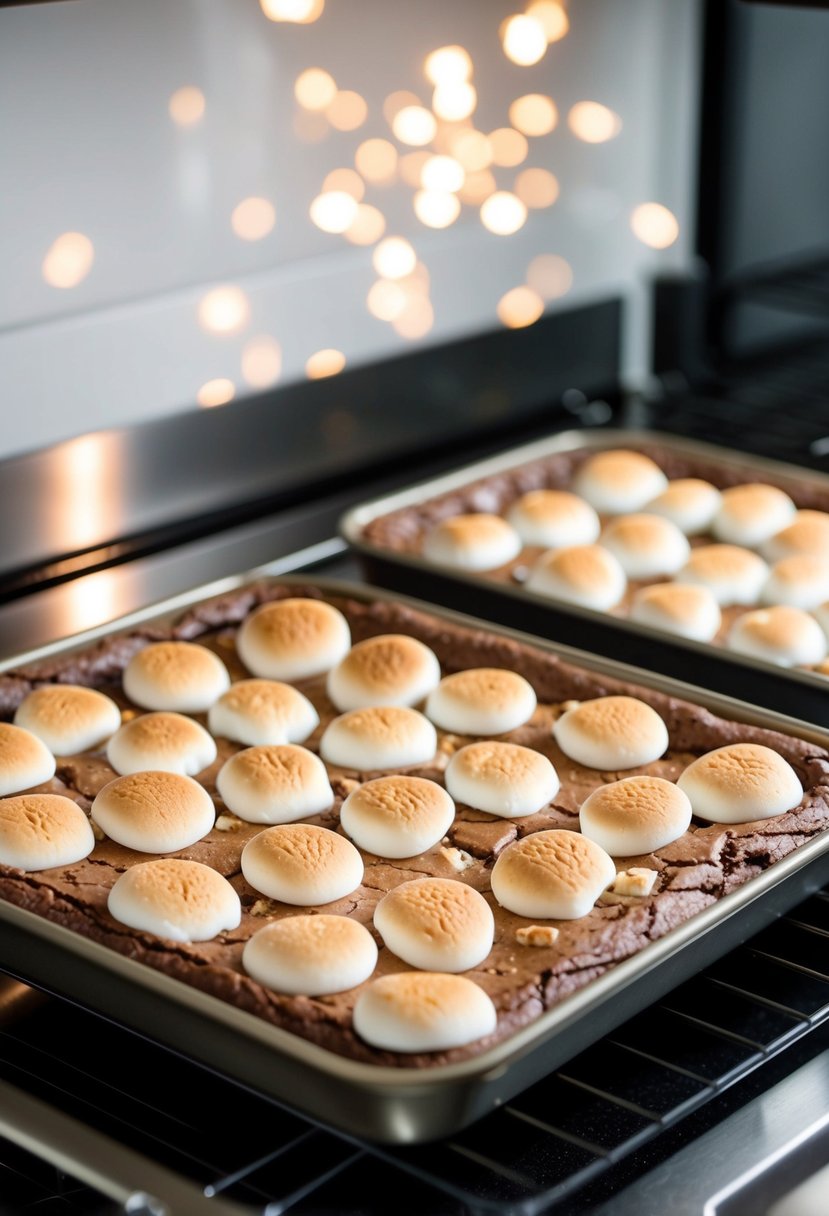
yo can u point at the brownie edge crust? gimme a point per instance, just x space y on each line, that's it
694 872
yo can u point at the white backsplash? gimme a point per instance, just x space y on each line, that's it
87 145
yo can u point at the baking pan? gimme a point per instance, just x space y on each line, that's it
802 694
398 1104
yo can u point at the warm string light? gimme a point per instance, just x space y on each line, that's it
216 392
323 363
187 106
534 114
253 218
376 160
394 258
261 361
224 310
477 187
300 12
509 148
520 307
442 173
347 111
472 149
397 101
347 181
416 319
523 39
550 275
654 225
68 260
315 89
386 300
552 18
502 213
414 125
448 65
334 212
411 167
436 208
592 122
454 102
536 188
368 225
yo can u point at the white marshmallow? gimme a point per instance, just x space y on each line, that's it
311 955
183 901
293 639
154 812
258 712
436 924
611 733
25 761
587 575
40 831
785 636
689 503
801 580
684 609
381 737
501 778
166 742
646 545
554 519
472 542
177 676
275 784
752 513
68 718
740 783
481 701
392 669
554 875
299 863
732 575
616 482
423 1011
635 815
397 816
807 533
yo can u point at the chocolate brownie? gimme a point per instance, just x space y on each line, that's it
522 980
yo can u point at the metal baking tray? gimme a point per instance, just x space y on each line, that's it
398 1104
800 693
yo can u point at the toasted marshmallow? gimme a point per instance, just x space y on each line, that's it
646 545
611 733
472 542
293 639
635 815
689 503
554 519
391 669
752 513
183 901
619 481
423 1011
740 783
587 575
732 575
275 784
25 760
807 533
783 635
311 955
397 816
501 778
555 875
301 864
687 610
167 742
154 812
256 712
39 831
482 701
390 736
801 581
175 675
436 924
68 718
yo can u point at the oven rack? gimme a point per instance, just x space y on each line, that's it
232 1151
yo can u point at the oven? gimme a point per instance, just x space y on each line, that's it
715 1099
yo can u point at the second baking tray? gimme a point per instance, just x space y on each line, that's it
399 1104
797 692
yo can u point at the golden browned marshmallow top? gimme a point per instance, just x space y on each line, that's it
25 761
481 701
783 635
472 542
171 897
436 924
398 815
739 783
39 831
178 676
293 639
390 669
611 733
618 481
807 533
154 812
635 815
552 875
734 575
68 718
749 514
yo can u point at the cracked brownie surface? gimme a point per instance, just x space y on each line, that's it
522 980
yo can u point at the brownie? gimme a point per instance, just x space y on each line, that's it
693 872
403 531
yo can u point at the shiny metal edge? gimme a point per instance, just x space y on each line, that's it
94 1159
357 518
489 1065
